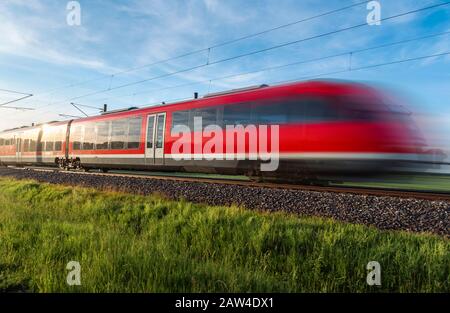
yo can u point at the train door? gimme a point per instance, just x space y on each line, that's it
18 141
154 148
67 140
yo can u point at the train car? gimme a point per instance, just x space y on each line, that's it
37 145
312 128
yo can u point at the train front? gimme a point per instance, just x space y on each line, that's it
378 132
351 129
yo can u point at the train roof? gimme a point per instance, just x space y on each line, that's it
333 84
30 127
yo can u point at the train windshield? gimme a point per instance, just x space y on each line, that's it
371 108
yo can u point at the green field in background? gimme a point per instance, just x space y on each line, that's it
415 182
419 182
130 243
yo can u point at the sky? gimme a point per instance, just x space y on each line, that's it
95 62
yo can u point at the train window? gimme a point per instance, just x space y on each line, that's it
2 142
180 118
160 131
119 130
102 141
77 138
39 146
295 110
58 145
150 133
89 137
270 113
319 110
49 145
363 108
302 110
237 114
32 145
208 115
134 132
26 145
58 140
47 139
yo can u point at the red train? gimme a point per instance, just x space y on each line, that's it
323 127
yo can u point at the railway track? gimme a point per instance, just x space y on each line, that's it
385 209
380 192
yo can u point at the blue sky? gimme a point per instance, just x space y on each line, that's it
40 52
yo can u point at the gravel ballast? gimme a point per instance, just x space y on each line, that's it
387 213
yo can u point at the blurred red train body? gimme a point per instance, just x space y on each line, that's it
324 127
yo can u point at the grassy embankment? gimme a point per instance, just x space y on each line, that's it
129 243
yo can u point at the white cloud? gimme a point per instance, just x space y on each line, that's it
40 37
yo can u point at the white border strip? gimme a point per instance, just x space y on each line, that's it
247 156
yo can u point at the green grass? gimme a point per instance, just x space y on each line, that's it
129 243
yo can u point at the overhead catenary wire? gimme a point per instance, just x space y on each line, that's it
88 106
24 94
437 55
354 69
17 108
15 100
15 92
350 53
208 49
328 73
76 107
69 116
254 52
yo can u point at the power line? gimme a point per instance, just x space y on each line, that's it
343 71
339 72
17 108
352 52
88 106
208 49
286 65
15 100
384 45
367 67
335 72
256 52
76 107
69 116
26 95
16 92
171 101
